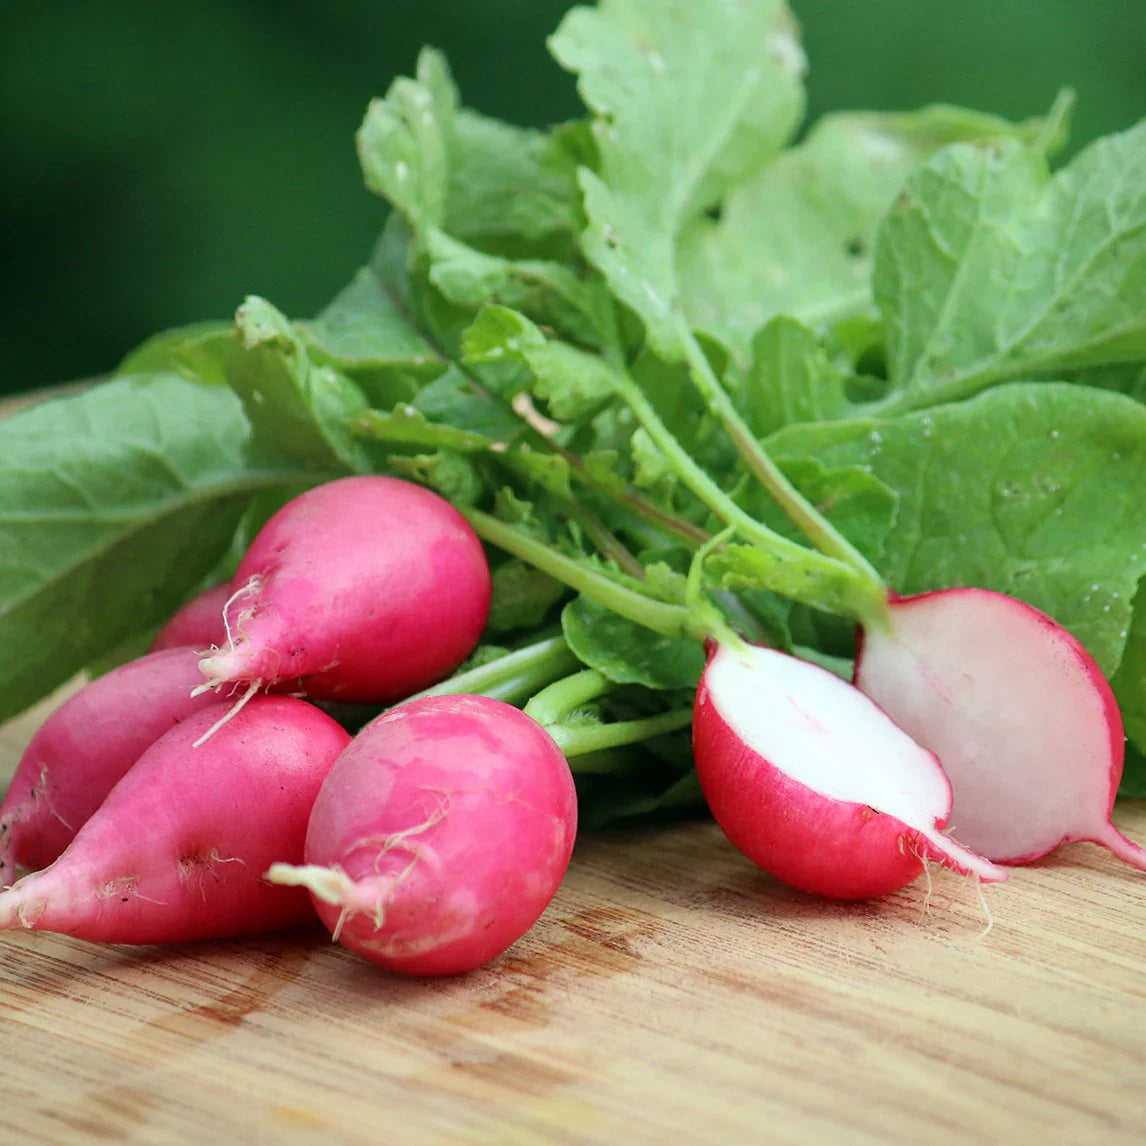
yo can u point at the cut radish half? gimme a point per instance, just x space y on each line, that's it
1020 715
813 782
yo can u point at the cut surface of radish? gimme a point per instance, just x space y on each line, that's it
815 783
1024 722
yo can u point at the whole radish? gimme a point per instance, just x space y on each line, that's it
84 749
199 624
365 590
1021 716
814 783
178 848
440 835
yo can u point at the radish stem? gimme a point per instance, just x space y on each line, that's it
671 620
511 678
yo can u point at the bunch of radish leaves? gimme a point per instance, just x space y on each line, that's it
937 337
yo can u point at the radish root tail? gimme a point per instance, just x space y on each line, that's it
230 714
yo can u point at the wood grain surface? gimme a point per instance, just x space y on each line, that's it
671 994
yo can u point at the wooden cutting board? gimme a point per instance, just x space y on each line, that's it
671 994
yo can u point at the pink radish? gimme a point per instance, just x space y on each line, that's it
178 848
440 835
198 624
814 783
365 590
85 747
1021 716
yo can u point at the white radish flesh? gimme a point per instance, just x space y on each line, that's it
814 783
1022 718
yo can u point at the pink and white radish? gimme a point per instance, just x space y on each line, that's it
178 848
1022 718
85 748
440 835
814 783
365 590
198 624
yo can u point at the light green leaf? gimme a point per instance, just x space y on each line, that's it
403 142
508 184
689 96
197 352
114 504
548 292
797 238
1129 683
572 383
408 426
522 597
451 474
297 409
790 379
369 337
1032 489
852 498
628 653
988 270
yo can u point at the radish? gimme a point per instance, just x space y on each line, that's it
365 589
177 849
440 835
814 783
83 750
198 624
1026 726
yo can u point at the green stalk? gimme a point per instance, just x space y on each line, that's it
560 698
803 514
578 740
671 620
513 677
866 592
552 704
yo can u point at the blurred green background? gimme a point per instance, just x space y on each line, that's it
162 161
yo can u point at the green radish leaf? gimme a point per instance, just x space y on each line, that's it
797 238
297 409
737 566
549 292
988 270
197 352
458 400
451 474
403 143
1129 684
114 505
852 498
1133 786
1030 489
408 426
689 96
522 597
367 335
572 383
790 379
635 789
509 186
628 653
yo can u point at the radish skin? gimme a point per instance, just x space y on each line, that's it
85 748
365 590
177 849
1024 721
198 624
440 835
814 783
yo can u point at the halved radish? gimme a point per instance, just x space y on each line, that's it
1022 718
812 781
